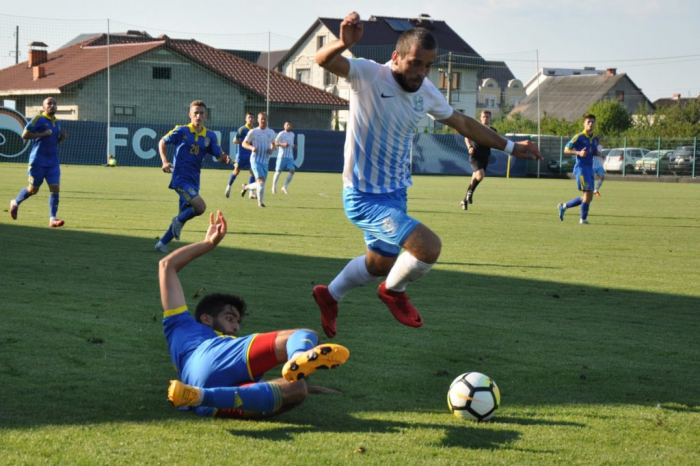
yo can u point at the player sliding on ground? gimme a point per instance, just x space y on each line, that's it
386 103
219 374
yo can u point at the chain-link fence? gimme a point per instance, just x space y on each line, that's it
121 87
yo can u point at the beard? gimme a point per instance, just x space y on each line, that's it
405 84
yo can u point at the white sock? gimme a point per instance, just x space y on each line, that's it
353 275
275 179
261 192
406 269
289 179
252 186
600 183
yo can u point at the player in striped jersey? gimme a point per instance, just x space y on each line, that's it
386 103
261 142
285 156
220 374
598 171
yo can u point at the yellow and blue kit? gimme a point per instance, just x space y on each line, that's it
190 148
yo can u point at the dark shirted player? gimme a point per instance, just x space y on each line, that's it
479 160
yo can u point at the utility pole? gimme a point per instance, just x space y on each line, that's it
449 77
16 44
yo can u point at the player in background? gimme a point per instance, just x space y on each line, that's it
220 374
260 141
386 103
242 159
192 143
479 160
585 147
285 156
45 133
598 170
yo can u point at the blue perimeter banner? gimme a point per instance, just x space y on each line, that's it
317 151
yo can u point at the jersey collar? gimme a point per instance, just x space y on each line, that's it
49 117
202 133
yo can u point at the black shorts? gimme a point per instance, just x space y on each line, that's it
479 161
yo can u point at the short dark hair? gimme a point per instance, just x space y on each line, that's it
198 103
488 112
249 113
588 116
420 36
214 304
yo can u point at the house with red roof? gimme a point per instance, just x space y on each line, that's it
136 78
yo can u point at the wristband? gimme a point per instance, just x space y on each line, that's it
509 147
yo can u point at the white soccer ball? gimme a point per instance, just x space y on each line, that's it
473 396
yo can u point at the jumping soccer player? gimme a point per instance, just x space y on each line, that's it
219 374
285 157
192 142
584 146
242 159
45 132
261 142
386 103
479 160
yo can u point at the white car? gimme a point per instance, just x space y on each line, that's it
623 159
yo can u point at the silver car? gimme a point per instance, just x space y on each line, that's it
623 159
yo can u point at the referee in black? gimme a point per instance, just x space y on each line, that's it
479 160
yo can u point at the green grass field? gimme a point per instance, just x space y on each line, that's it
591 332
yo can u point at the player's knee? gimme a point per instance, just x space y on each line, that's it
54 188
199 208
32 190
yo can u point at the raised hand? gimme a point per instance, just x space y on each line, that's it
351 29
526 150
217 228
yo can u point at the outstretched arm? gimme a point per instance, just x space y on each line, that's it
330 56
171 294
485 136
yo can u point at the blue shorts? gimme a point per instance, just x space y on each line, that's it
37 174
285 163
242 162
187 192
600 171
584 179
382 218
259 169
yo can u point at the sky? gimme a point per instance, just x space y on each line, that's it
656 42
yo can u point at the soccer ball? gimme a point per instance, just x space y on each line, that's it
473 396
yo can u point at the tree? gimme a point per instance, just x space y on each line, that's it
612 118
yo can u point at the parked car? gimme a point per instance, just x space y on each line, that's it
567 164
648 163
623 158
682 161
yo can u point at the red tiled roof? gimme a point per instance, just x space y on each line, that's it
68 65
79 61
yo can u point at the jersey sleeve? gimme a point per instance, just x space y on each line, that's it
249 136
239 133
34 126
174 136
362 73
215 148
439 109
572 144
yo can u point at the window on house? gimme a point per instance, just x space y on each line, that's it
329 79
122 110
162 72
620 96
304 75
320 41
454 84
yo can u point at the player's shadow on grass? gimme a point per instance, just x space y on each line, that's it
82 340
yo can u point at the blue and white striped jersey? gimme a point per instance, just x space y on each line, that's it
383 118
261 139
288 137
